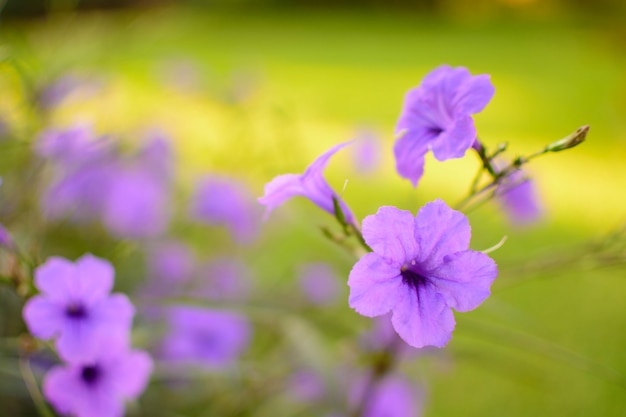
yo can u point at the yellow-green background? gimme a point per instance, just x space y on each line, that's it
549 342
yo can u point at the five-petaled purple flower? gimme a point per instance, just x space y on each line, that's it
311 185
75 304
99 387
437 116
421 267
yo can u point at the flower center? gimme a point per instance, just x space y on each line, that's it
435 131
76 311
90 374
411 277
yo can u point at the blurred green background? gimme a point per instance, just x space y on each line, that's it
259 88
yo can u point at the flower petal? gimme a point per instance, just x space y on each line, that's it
132 373
61 387
464 279
474 94
422 318
375 286
44 317
95 277
455 140
311 185
409 151
57 279
114 311
279 190
390 234
440 231
78 341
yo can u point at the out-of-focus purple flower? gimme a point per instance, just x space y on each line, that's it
55 92
420 269
437 116
138 199
156 155
224 279
306 386
518 197
79 194
137 205
58 90
383 337
82 167
212 338
170 262
366 151
99 387
76 306
92 181
222 201
319 283
6 241
392 396
73 147
311 185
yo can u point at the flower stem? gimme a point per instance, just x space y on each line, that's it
33 389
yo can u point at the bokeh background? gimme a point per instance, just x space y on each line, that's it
254 88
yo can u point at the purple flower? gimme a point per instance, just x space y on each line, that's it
437 116
6 240
171 262
212 338
222 201
99 387
311 185
393 396
519 199
76 145
137 204
82 166
58 90
224 279
319 283
366 152
75 306
421 267
383 336
306 386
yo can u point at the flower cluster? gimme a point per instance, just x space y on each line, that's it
91 330
92 180
421 266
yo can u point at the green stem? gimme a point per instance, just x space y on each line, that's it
33 389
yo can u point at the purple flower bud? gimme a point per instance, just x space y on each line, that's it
311 185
